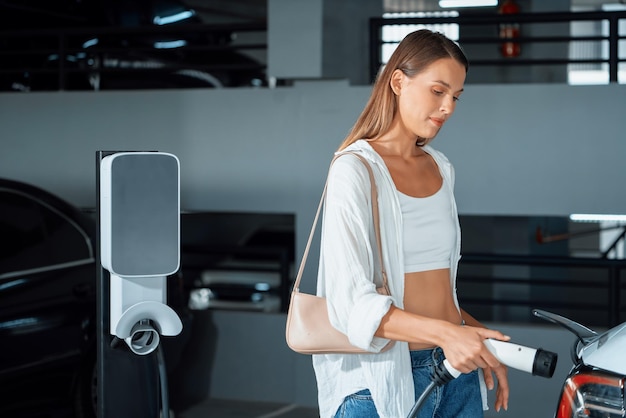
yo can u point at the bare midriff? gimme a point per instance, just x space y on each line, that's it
429 293
426 293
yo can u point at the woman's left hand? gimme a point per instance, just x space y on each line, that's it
502 389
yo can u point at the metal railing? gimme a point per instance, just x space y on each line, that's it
588 290
482 30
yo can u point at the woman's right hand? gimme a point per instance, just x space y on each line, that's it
465 350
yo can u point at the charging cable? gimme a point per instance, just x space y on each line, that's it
442 374
165 403
144 341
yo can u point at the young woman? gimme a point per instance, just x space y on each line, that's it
413 97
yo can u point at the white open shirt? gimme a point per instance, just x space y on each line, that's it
347 265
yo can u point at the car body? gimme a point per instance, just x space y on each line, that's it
589 392
595 386
48 318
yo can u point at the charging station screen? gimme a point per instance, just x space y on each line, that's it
145 214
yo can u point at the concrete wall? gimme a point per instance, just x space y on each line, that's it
327 42
518 149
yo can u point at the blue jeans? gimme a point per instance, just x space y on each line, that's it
459 398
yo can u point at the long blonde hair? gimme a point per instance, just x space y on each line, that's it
415 52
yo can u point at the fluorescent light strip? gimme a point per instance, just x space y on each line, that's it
587 217
170 44
90 43
467 3
166 20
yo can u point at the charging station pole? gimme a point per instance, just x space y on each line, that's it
127 384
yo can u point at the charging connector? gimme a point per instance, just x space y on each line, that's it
537 362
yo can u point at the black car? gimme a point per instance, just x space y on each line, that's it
48 330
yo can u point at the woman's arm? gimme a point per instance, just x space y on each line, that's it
462 345
347 264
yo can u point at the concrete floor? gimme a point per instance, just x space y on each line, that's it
219 408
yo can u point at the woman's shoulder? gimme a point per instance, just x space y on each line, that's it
358 146
354 163
348 163
361 148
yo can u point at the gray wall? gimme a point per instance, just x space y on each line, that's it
518 149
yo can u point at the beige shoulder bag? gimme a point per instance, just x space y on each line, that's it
308 329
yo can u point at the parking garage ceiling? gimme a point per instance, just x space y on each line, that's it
31 13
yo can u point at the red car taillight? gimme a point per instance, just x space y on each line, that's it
592 394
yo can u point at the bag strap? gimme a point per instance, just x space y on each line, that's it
375 214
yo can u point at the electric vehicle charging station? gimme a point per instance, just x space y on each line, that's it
138 248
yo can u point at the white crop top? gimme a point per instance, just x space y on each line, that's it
429 230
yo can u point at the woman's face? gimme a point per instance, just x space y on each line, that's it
427 100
